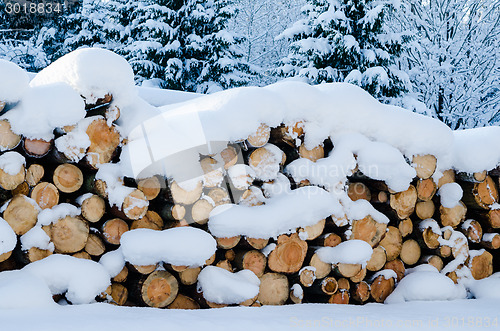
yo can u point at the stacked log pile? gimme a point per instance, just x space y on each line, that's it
420 231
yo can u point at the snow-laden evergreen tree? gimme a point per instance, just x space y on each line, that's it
33 41
347 40
453 59
260 22
176 44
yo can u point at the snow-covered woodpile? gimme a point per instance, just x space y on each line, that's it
320 194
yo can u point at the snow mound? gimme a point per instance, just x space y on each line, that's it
113 262
23 290
284 213
185 246
12 162
426 286
93 73
44 108
223 287
450 195
487 288
350 252
14 81
36 237
60 211
8 238
476 149
82 280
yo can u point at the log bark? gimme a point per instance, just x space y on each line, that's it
21 214
274 289
45 194
289 254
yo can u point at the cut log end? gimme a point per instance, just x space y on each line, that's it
274 289
68 178
159 289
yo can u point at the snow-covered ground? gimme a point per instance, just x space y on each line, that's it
438 315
